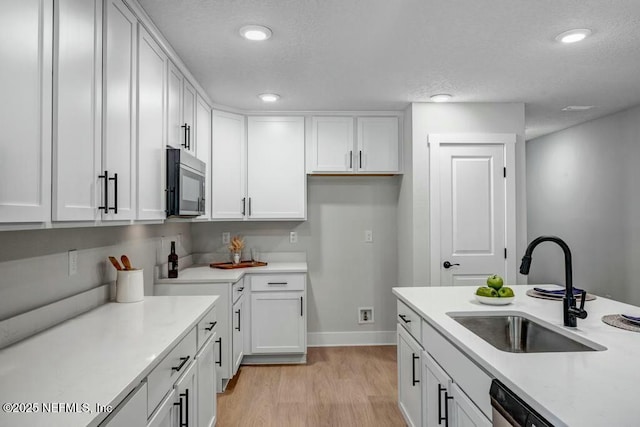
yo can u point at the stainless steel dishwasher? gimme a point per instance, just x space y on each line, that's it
509 410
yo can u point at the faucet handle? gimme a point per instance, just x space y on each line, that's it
583 298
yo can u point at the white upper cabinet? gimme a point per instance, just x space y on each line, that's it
25 112
276 180
378 145
77 109
332 140
203 147
119 112
175 131
152 83
228 166
189 116
374 147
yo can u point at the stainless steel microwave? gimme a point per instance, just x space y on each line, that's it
185 184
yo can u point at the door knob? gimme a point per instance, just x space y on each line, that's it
447 264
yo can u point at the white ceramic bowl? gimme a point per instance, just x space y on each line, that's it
494 301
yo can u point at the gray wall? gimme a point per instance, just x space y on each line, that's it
582 185
344 272
34 263
413 209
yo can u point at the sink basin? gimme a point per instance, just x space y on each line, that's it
517 333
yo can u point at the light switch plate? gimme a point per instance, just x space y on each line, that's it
368 236
293 237
73 262
226 238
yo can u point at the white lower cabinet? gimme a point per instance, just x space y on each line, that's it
436 397
186 389
465 412
239 326
409 378
205 361
132 411
166 414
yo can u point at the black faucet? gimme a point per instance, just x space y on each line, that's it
570 312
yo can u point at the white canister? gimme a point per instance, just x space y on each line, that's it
130 286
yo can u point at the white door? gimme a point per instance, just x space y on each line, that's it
203 148
25 110
206 384
409 378
152 69
277 322
471 228
331 144
189 116
119 92
438 408
77 109
175 132
465 412
276 184
228 167
378 145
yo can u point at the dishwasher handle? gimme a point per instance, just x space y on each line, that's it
509 410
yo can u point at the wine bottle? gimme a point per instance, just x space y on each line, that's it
173 262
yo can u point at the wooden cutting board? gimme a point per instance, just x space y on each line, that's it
242 264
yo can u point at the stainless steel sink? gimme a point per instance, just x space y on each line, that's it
516 333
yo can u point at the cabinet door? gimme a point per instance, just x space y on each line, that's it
239 326
132 411
278 322
465 412
206 384
203 147
77 88
119 148
228 166
187 389
409 378
175 132
276 184
166 415
332 144
378 145
436 398
25 113
189 116
152 79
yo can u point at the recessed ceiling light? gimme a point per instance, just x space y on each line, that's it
255 32
441 97
269 97
573 36
577 108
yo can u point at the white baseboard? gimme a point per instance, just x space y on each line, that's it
333 339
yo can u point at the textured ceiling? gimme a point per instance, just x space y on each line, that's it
384 54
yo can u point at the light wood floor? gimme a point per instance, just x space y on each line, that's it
339 386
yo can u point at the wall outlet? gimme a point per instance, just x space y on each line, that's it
368 236
365 315
226 238
293 237
73 262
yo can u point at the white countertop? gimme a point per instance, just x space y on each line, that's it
595 388
95 358
206 274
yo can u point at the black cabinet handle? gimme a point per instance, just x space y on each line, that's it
244 205
183 361
180 413
440 417
404 318
413 369
446 408
211 326
184 414
185 144
241 289
360 155
351 159
278 283
238 313
189 140
301 305
249 206
115 193
105 204
219 341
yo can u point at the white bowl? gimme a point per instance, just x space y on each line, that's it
494 301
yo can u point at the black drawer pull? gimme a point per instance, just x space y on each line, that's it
219 361
278 283
212 325
413 366
184 360
404 318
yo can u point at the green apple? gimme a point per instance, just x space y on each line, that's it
505 292
495 282
485 291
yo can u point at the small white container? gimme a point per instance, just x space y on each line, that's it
130 286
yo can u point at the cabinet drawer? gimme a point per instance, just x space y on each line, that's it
238 290
469 376
410 320
163 376
206 327
278 282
